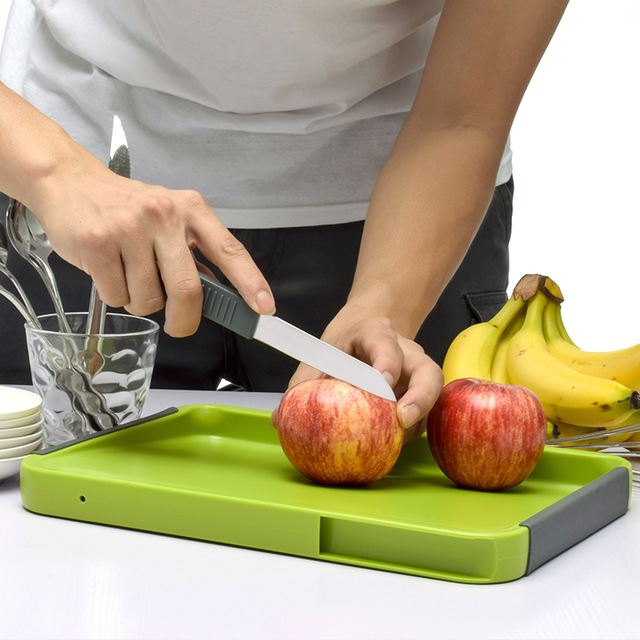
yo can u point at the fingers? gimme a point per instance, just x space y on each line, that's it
183 305
414 376
144 287
412 433
140 257
180 273
423 380
374 341
304 372
108 274
232 258
137 242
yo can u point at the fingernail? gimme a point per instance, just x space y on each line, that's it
265 303
409 415
388 377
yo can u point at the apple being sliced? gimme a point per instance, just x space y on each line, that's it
485 435
335 433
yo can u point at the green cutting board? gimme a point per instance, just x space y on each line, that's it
218 474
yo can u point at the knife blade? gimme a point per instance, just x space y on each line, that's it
225 307
119 160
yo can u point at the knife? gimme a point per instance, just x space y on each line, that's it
120 163
225 307
119 160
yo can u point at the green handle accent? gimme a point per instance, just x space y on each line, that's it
225 307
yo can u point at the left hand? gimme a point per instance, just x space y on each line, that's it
415 378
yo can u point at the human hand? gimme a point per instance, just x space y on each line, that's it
136 241
415 378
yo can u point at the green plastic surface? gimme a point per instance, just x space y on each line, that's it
219 474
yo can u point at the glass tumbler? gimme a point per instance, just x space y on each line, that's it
90 382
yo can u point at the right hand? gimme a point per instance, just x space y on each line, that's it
136 241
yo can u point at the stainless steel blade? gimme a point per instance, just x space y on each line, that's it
320 355
119 160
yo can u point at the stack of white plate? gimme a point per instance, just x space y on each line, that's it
21 428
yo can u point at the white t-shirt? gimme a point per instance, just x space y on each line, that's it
280 113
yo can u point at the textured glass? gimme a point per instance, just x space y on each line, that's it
88 382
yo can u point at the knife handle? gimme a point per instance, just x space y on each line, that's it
225 307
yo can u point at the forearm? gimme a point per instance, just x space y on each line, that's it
34 150
434 190
427 204
135 240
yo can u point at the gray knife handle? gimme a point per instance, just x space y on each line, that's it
227 308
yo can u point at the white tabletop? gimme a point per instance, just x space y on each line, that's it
65 579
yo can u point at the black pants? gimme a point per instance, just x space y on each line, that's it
310 270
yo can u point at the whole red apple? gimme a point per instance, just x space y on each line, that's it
485 435
335 433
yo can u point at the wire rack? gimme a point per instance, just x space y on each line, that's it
601 441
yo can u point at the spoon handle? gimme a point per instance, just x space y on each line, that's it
26 313
96 320
20 290
16 217
97 312
46 273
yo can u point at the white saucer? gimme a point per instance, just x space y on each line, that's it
18 403
24 430
8 443
23 450
9 467
20 422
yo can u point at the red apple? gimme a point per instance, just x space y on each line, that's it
485 435
335 433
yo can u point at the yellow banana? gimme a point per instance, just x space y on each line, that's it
567 395
622 365
562 330
635 437
471 353
499 364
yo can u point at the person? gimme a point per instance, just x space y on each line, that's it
347 163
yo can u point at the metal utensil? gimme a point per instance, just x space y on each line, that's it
227 308
4 255
597 441
119 162
30 241
29 317
72 380
603 435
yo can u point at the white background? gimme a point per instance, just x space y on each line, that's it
576 156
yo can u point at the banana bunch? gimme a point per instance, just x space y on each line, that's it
526 343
